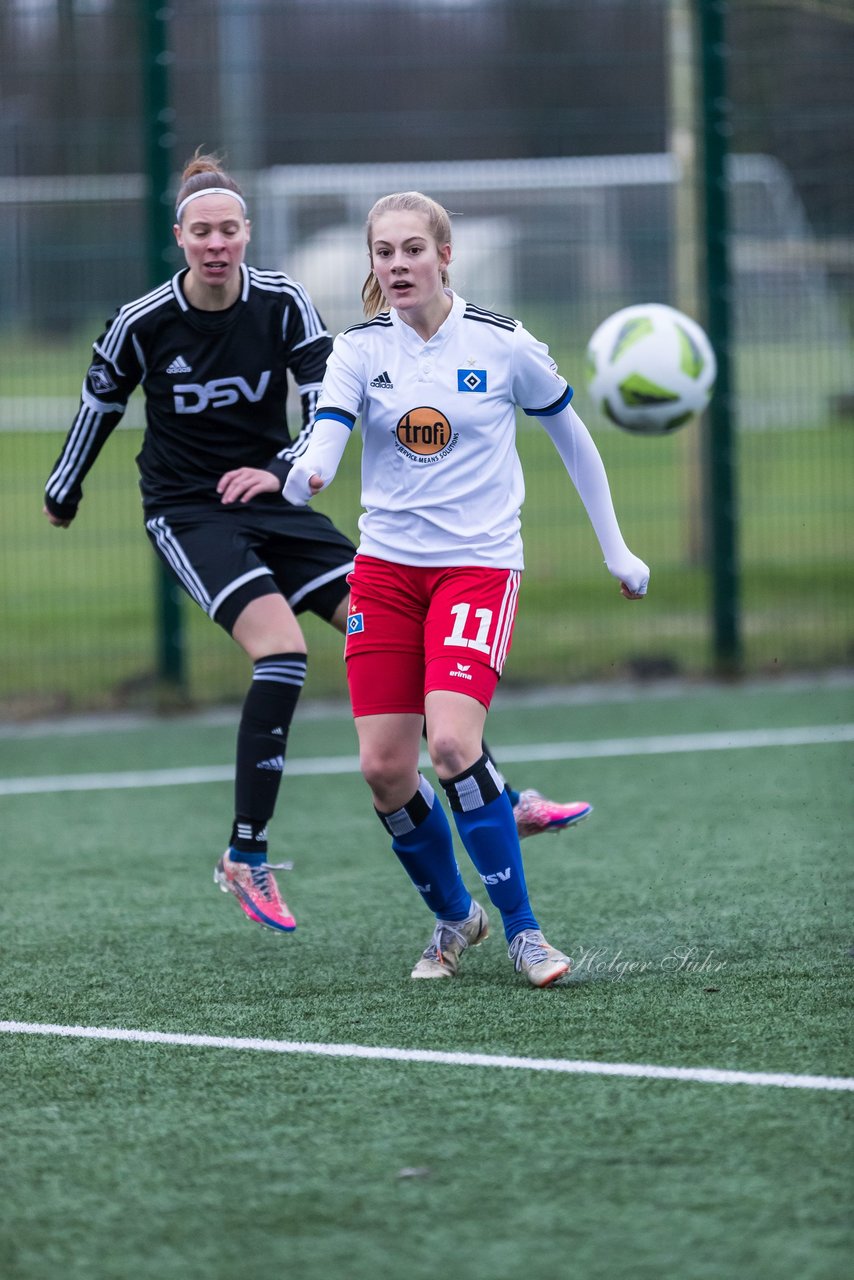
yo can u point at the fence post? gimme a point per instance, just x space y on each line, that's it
159 140
720 461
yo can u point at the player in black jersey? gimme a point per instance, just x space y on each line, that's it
212 349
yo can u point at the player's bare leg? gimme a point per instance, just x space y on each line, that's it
535 814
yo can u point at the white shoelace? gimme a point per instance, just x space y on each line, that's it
435 949
528 949
261 877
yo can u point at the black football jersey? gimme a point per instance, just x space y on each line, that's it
215 383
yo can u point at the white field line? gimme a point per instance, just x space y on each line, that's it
668 689
736 739
564 1066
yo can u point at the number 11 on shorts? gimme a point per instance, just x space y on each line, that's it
461 616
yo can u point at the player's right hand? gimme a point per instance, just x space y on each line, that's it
301 485
56 521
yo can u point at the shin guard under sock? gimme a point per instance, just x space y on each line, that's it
484 818
422 840
262 736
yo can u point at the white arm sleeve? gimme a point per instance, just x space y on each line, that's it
587 472
321 458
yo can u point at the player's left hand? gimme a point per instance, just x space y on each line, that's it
246 483
631 573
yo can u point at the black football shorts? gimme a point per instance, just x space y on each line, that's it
226 556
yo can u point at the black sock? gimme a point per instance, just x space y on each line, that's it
261 739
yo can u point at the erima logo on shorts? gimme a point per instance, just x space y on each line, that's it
462 671
355 623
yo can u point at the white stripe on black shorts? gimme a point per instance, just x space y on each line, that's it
221 555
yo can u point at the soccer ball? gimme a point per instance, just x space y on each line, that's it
650 368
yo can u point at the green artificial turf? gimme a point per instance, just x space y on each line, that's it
706 907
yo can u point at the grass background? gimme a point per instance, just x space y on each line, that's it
155 1161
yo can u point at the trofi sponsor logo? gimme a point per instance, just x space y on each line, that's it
425 435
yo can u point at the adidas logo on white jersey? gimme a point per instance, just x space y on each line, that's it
179 365
383 381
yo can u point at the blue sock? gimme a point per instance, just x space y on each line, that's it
484 817
422 840
251 859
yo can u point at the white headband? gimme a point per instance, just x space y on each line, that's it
209 191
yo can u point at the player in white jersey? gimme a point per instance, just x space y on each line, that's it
213 349
433 594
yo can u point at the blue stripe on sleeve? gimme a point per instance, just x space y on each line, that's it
551 409
336 415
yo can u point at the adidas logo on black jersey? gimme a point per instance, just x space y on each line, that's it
179 365
383 381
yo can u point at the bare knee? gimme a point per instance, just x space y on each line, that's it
454 731
391 780
451 753
389 747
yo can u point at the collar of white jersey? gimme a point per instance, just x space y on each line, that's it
446 328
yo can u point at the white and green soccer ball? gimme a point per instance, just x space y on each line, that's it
650 368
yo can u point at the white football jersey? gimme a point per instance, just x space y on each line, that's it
442 482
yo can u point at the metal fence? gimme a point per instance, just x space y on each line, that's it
568 139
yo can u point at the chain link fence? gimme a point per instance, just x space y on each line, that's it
564 136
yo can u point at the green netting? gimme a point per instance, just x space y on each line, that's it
556 131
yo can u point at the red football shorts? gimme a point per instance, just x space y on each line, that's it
413 630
